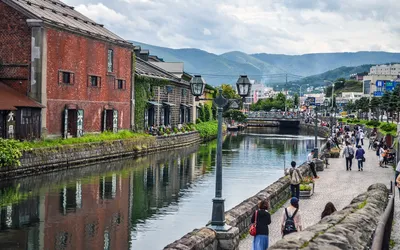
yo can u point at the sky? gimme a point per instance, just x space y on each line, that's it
252 26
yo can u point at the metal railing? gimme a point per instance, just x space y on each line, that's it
381 239
287 115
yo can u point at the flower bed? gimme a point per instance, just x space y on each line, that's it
307 187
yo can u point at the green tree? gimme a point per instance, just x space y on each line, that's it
229 92
202 115
207 113
385 103
296 100
375 105
236 115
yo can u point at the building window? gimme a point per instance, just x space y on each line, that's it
110 61
65 77
94 81
120 84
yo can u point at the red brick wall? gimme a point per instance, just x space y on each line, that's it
84 57
15 48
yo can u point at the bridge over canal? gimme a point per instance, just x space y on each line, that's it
274 119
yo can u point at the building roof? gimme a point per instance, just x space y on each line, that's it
61 15
144 68
175 68
11 99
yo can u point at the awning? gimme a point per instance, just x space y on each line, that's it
11 99
169 104
154 103
185 105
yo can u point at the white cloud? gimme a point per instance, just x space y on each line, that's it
206 32
285 26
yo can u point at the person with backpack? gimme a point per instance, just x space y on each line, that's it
348 152
261 218
360 157
291 220
295 180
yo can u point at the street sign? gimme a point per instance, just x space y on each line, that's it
311 101
378 93
379 83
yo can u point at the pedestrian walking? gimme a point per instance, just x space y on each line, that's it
310 160
360 157
262 218
381 154
329 209
362 135
291 219
385 155
348 153
357 135
295 180
353 139
397 173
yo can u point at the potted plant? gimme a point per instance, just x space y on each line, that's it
307 187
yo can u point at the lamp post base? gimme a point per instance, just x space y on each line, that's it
223 228
316 152
218 215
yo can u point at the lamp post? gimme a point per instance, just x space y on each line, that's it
316 134
197 85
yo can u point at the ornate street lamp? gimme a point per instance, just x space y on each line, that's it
243 86
197 85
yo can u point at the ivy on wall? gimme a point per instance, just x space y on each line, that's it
144 91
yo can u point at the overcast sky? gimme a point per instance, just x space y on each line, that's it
252 26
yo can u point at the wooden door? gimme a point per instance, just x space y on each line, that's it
72 122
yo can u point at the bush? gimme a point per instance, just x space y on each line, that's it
340 119
374 124
10 153
353 121
305 187
207 129
198 120
389 127
207 113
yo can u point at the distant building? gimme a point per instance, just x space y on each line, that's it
371 82
358 76
352 96
391 69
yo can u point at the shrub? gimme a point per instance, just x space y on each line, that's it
10 153
175 130
207 113
374 124
389 127
340 119
304 187
198 120
207 129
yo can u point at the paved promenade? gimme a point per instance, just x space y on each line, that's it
336 185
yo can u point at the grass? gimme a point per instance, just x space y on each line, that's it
392 243
362 204
106 136
384 128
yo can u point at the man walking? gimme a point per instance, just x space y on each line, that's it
348 153
295 180
310 160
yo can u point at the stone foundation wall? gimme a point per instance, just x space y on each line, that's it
43 160
350 228
309 129
238 218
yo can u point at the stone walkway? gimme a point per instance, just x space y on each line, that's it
337 186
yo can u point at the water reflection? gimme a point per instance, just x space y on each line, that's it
142 203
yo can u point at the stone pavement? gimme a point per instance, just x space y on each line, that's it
335 185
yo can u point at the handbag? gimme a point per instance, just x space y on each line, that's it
253 227
363 159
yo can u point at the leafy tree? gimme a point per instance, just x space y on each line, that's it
207 113
375 105
350 107
229 92
202 115
385 103
296 100
236 115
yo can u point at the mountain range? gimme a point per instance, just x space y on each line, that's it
271 69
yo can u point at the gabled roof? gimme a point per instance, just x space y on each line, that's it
11 99
144 68
61 15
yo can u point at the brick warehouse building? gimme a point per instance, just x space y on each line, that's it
78 70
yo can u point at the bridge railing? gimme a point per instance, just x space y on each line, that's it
276 115
381 239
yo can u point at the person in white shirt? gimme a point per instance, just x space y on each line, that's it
361 137
310 160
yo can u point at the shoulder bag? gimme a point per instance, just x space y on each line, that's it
253 227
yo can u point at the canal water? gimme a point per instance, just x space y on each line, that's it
144 203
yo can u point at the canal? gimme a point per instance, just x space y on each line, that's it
143 203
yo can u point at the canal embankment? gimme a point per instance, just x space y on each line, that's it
44 160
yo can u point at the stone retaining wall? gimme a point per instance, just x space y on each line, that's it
350 228
238 218
307 128
43 160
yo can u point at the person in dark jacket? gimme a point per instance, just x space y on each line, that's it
360 157
260 241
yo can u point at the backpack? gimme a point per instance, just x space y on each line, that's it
351 152
295 177
290 226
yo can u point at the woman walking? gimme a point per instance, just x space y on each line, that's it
262 219
291 220
360 157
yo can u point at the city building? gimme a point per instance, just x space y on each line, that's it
169 103
371 84
80 72
391 69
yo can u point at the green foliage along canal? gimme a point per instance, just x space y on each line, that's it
143 203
